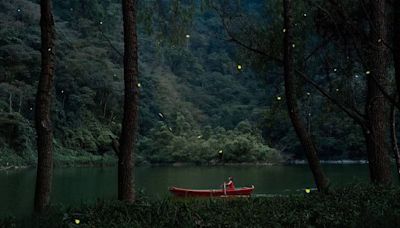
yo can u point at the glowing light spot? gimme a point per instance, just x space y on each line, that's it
139 85
337 90
278 98
307 190
31 108
187 36
160 115
115 75
49 49
356 76
367 72
199 137
284 30
18 10
334 70
239 67
293 45
308 94
77 221
379 40
309 114
170 128
71 9
220 151
101 22
62 91
304 15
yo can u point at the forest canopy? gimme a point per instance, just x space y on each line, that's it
200 93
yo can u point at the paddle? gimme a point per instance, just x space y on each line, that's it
224 188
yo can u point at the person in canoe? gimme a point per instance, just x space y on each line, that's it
230 185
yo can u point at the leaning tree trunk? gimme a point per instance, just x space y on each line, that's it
289 76
42 116
378 157
129 122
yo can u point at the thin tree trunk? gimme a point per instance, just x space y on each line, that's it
378 157
289 76
10 102
43 103
129 123
393 135
20 102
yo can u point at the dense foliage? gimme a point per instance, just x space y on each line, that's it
195 101
356 206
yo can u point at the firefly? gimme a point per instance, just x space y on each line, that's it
367 72
284 30
187 36
308 94
77 221
307 190
139 85
337 90
161 115
199 137
18 10
335 70
239 67
62 91
49 49
293 45
305 15
101 22
220 151
279 98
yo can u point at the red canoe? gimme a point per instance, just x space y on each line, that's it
245 191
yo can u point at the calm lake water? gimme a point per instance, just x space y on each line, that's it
73 186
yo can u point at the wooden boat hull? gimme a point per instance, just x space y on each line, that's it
183 192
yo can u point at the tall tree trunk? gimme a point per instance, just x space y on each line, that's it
289 76
396 58
378 157
131 100
43 103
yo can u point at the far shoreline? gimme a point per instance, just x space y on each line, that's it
185 164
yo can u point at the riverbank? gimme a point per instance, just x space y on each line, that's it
109 160
356 206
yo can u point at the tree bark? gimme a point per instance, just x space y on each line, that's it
393 135
131 99
375 133
289 77
396 58
396 42
43 104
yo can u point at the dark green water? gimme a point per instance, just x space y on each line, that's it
73 186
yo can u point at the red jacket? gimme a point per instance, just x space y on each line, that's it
230 185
